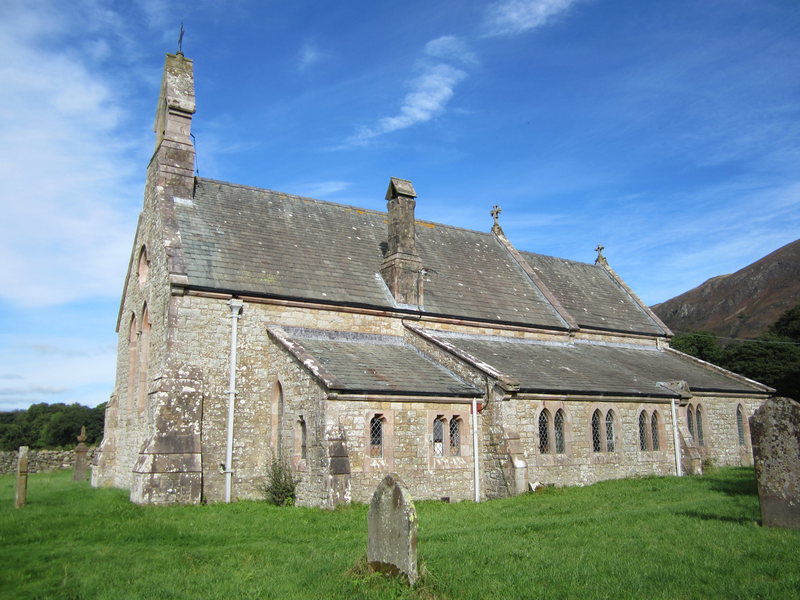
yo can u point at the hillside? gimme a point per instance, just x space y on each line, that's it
740 305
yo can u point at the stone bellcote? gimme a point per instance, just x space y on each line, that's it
174 153
402 267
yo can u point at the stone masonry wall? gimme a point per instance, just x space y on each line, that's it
129 412
202 333
41 460
721 436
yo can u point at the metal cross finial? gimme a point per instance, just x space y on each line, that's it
496 210
180 41
600 258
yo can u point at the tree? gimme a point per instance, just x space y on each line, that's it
700 344
772 359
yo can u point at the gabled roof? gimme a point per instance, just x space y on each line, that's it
364 364
244 240
589 368
591 295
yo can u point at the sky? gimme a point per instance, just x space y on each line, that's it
669 132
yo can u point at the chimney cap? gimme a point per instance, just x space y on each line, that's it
400 187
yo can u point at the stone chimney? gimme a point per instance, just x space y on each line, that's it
401 268
174 154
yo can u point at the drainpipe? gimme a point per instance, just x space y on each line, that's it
676 439
236 310
475 457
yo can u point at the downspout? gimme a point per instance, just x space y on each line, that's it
236 310
475 457
676 439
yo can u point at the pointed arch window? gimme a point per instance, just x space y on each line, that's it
740 425
143 266
610 433
558 432
438 435
698 413
302 434
654 430
690 421
597 435
643 431
376 436
544 432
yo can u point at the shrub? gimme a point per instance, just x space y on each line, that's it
279 484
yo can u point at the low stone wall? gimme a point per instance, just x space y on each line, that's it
41 460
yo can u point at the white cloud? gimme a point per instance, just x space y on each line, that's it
66 185
452 48
57 369
309 55
320 189
512 17
429 95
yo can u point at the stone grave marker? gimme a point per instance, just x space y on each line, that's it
22 477
775 433
392 524
79 472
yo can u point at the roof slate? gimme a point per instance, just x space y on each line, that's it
593 368
362 363
591 296
256 241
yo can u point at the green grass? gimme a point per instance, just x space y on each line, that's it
642 538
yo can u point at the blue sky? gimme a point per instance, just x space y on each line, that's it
667 131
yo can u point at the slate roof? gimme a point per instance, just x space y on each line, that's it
592 368
591 296
247 240
363 363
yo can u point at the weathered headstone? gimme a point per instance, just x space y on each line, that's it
22 477
392 522
775 433
79 472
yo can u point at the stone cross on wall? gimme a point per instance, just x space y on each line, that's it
775 433
495 212
600 260
22 477
392 524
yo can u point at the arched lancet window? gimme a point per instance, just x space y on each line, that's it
302 434
438 436
277 418
654 430
690 421
642 431
144 360
610 445
133 368
558 431
698 413
597 436
455 436
740 424
376 436
143 266
544 432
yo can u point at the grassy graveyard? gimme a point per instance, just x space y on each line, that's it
695 537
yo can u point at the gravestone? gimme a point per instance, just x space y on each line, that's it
775 433
79 472
392 524
22 477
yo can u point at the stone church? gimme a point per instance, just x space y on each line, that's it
354 343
